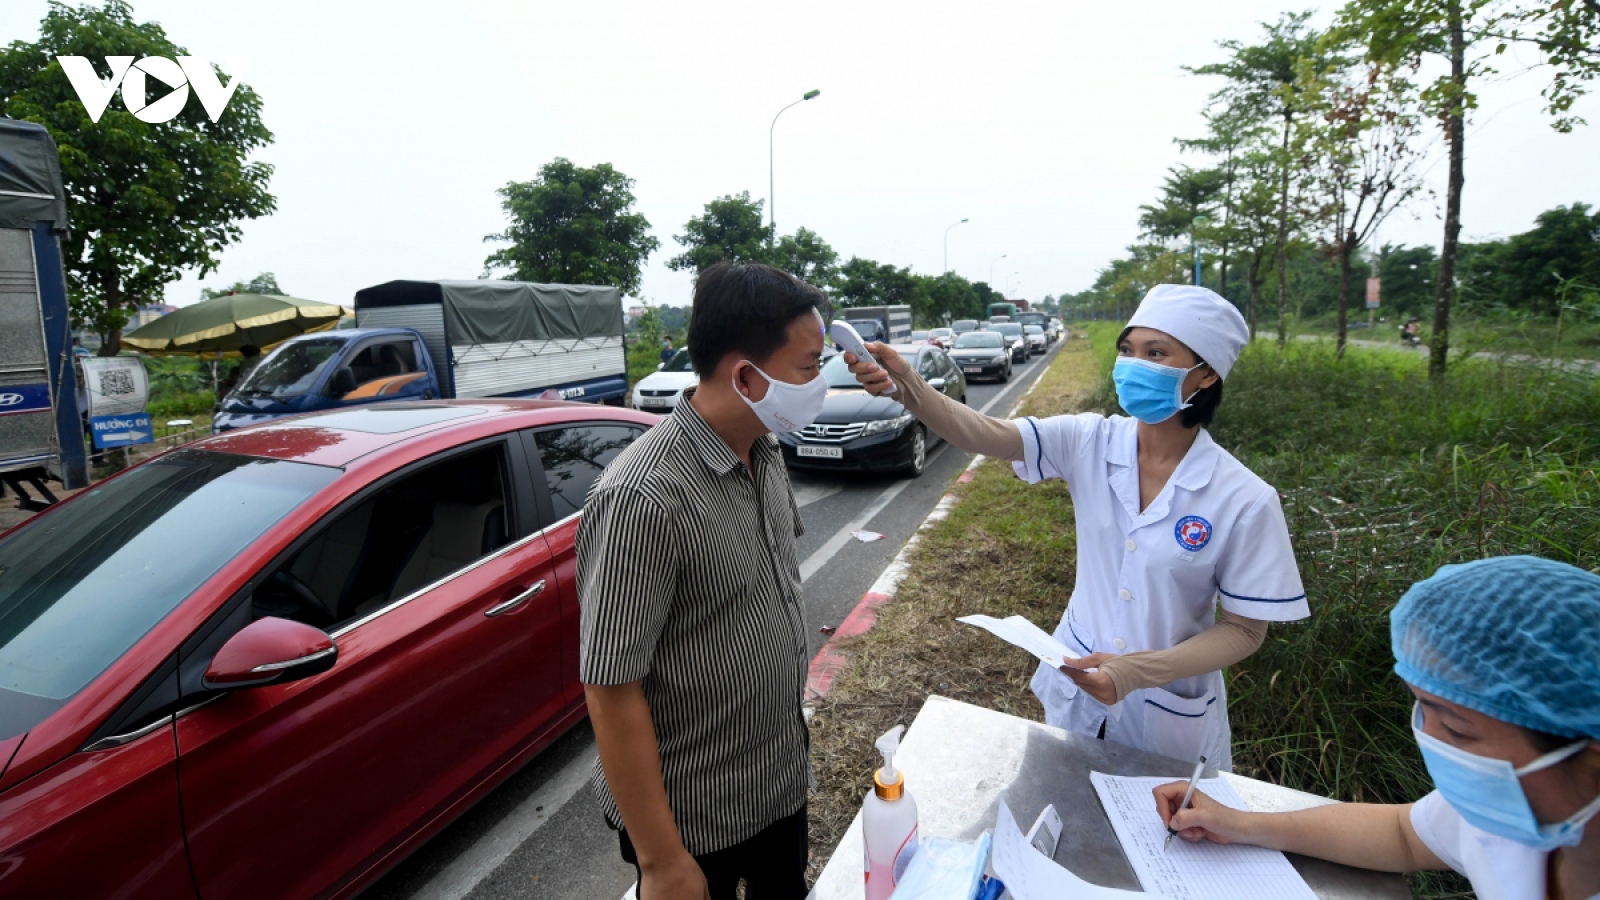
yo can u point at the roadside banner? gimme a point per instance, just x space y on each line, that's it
118 389
1373 287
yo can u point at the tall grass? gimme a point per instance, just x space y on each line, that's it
1385 477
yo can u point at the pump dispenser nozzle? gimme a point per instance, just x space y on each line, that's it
887 781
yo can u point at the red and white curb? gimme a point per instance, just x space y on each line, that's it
830 660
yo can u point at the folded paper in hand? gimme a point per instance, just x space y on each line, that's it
1020 632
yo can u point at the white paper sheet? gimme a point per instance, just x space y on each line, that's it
1185 871
1020 632
1030 875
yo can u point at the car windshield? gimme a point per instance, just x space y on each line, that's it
919 335
837 372
679 363
290 370
1033 329
1009 329
962 326
982 340
81 584
941 332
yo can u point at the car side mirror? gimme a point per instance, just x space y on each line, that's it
936 383
270 651
342 382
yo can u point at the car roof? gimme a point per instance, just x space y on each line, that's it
339 437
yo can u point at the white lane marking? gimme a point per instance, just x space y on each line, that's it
488 852
834 544
807 494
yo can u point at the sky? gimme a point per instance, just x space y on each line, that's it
1045 125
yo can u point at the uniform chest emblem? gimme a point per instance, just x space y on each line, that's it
1192 533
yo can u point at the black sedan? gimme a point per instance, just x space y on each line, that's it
859 432
982 354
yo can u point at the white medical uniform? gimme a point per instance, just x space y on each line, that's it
1150 580
1499 868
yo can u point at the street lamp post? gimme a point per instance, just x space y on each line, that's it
772 203
991 268
1194 235
947 244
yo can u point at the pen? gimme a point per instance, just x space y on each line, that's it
1187 796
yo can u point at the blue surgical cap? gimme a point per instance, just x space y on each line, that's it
1513 637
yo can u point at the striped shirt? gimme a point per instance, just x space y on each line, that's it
689 581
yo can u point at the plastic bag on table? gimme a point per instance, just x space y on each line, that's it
945 869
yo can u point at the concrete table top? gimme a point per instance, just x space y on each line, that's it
959 760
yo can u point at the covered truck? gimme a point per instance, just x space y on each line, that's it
889 324
41 432
419 340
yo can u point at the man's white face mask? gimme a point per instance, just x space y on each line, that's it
786 407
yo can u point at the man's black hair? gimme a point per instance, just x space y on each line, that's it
745 308
1203 405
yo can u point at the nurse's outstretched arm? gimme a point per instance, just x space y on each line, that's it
1366 835
961 425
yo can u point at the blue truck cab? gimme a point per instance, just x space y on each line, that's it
329 370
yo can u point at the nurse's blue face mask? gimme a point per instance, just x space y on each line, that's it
1488 792
1149 391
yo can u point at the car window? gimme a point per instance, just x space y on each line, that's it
574 456
426 525
679 363
81 584
384 359
980 339
290 370
928 366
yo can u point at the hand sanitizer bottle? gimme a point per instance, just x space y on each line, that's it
888 822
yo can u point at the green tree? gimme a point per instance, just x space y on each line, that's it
146 200
1363 141
1262 84
573 225
806 256
1468 35
265 283
731 228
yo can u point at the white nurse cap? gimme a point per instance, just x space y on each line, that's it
1202 320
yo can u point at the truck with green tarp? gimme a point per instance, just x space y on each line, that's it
422 340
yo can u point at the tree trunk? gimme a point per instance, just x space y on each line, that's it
1283 239
1346 248
111 284
1439 349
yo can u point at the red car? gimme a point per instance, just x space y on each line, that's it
272 663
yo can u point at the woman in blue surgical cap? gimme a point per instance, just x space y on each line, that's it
1503 656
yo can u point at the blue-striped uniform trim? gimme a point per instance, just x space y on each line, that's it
1260 599
1038 447
1074 632
1176 713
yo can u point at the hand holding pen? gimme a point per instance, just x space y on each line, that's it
1191 815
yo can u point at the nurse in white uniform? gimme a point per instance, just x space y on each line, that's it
1503 656
1170 528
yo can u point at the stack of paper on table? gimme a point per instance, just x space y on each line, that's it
1192 871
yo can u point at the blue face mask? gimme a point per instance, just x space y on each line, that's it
1488 792
1150 392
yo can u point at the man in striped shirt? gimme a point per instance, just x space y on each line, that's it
693 649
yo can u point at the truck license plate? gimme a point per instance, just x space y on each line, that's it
821 452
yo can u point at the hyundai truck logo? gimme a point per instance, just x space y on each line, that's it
10 399
133 77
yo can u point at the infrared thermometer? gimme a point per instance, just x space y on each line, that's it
846 336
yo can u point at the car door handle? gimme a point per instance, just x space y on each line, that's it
517 601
